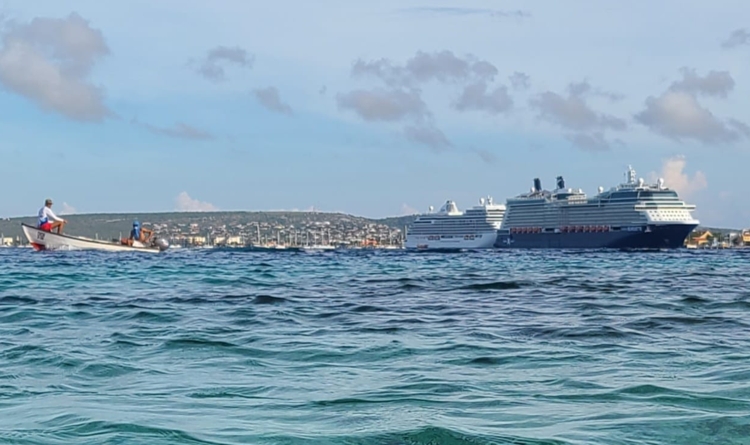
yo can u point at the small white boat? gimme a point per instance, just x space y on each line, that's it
43 240
318 247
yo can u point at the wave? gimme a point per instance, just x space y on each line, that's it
496 285
427 435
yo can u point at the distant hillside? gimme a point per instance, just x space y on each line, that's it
111 225
397 222
718 229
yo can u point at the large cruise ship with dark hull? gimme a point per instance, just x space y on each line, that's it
632 215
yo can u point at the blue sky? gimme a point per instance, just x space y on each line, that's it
375 109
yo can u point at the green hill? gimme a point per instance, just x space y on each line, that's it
115 225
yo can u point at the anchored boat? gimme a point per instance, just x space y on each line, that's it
450 228
632 215
43 240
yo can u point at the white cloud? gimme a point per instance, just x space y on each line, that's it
67 209
584 87
185 203
675 177
738 37
400 97
476 97
427 135
442 66
590 142
383 105
48 61
485 155
678 115
715 83
520 81
295 209
406 209
211 67
270 99
179 130
572 112
461 11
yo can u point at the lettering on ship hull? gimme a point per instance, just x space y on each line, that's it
657 237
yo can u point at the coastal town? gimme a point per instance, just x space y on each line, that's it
341 233
706 239
275 230
236 229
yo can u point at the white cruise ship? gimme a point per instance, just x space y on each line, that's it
448 229
633 214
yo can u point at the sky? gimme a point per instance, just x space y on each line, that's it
370 108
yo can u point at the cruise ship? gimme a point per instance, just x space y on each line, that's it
632 215
450 228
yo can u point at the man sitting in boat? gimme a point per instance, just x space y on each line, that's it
139 234
48 221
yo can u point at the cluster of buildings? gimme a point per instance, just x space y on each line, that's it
705 239
237 229
341 232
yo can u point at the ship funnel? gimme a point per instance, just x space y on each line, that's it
537 185
560 183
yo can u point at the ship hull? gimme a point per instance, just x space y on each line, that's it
668 236
451 242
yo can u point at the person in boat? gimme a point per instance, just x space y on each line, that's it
47 220
138 233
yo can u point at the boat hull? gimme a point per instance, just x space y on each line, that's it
451 242
42 240
667 236
271 248
317 248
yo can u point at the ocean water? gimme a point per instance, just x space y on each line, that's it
511 347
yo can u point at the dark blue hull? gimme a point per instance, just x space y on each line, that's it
654 237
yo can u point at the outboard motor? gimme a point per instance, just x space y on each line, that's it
537 185
162 244
560 183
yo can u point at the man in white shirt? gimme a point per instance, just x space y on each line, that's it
48 220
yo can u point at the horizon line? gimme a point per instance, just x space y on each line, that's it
338 212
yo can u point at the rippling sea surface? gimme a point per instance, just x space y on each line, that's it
511 347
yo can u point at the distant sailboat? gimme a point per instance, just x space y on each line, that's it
319 247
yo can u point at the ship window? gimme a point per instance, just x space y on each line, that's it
659 194
624 195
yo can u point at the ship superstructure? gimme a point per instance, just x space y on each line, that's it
450 228
631 215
